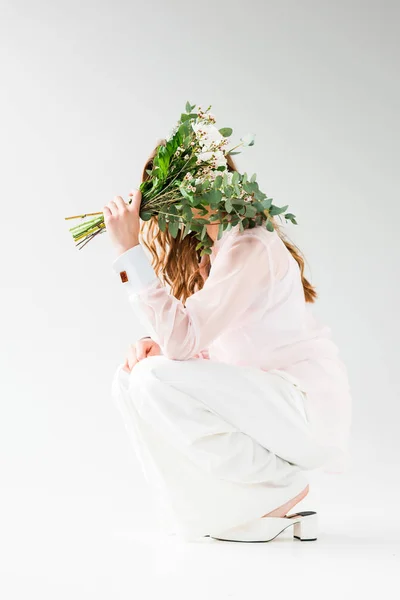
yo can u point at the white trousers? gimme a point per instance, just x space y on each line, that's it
219 444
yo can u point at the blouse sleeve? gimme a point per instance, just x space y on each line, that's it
239 274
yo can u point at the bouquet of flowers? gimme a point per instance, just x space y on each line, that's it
190 172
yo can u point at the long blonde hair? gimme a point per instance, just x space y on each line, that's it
177 262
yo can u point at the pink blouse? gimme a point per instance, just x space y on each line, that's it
250 311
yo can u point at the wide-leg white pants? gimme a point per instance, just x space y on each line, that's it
219 444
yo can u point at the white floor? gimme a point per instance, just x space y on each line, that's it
80 547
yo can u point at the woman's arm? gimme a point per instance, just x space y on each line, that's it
239 274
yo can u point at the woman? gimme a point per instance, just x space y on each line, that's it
238 390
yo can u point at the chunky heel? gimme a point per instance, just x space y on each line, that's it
266 529
306 528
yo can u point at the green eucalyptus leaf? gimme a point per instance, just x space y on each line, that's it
258 206
186 230
185 193
226 131
145 215
266 203
173 227
228 191
250 187
269 225
218 181
251 210
276 210
187 212
228 205
259 195
162 224
212 197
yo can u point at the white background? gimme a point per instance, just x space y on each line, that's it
87 88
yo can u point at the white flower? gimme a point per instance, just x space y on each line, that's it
205 156
248 139
217 158
229 176
207 135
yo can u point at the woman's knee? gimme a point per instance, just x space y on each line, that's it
147 366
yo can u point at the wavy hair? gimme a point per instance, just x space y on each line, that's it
177 262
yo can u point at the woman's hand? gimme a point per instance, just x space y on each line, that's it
122 221
140 350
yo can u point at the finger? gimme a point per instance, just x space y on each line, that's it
132 358
120 203
136 196
112 208
142 350
126 366
106 212
154 350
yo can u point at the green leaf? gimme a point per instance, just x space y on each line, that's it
145 215
185 193
253 178
188 107
173 227
250 187
232 153
186 230
259 206
228 205
187 212
291 218
259 195
218 181
251 210
226 131
228 191
212 197
267 203
276 210
162 224
269 225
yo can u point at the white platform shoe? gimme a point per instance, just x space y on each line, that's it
265 529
